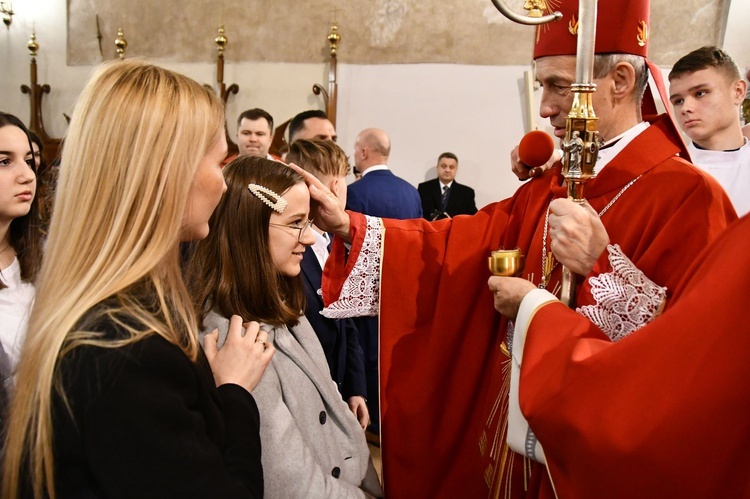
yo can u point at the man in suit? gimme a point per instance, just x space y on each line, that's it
338 337
378 193
443 197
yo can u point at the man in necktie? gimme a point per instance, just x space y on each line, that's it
443 197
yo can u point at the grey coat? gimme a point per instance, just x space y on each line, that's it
312 445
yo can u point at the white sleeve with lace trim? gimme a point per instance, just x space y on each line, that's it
626 300
360 295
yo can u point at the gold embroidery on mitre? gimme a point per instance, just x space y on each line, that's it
642 33
536 8
549 6
573 26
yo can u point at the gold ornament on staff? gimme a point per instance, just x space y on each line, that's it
121 43
581 144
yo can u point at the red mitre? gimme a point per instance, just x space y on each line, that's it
622 26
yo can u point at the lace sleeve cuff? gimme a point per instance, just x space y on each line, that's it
625 299
360 294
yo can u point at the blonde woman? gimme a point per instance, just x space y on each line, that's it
115 397
313 446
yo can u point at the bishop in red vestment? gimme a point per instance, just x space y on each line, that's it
443 359
662 413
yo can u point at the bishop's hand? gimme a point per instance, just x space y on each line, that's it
508 292
325 207
578 235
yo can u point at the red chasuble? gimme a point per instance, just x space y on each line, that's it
662 413
444 371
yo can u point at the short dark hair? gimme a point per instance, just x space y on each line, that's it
706 57
449 155
298 122
256 114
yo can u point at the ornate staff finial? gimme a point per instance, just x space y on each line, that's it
33 45
535 9
334 38
221 40
121 43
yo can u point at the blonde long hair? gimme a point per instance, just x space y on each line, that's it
136 138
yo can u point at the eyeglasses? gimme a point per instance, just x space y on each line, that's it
303 228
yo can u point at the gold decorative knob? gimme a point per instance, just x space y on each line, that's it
221 40
32 45
121 43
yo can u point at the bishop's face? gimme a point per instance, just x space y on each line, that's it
556 74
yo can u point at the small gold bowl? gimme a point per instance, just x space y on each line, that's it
508 263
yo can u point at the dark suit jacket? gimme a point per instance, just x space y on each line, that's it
460 200
339 337
383 194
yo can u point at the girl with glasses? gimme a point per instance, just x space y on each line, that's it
249 265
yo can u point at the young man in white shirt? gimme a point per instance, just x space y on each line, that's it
706 92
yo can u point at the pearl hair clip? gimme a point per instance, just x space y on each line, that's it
269 198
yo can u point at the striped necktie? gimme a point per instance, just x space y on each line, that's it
444 197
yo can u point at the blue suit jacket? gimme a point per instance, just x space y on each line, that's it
383 194
339 337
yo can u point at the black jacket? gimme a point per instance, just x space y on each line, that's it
460 201
149 422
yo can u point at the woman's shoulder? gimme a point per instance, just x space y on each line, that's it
108 338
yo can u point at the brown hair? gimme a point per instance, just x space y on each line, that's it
231 270
24 233
704 58
319 157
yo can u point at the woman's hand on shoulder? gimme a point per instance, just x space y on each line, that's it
243 358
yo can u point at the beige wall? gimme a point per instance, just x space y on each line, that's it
374 31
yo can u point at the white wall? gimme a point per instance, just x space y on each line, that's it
474 111
736 38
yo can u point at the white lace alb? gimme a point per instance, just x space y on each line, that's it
360 295
625 299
